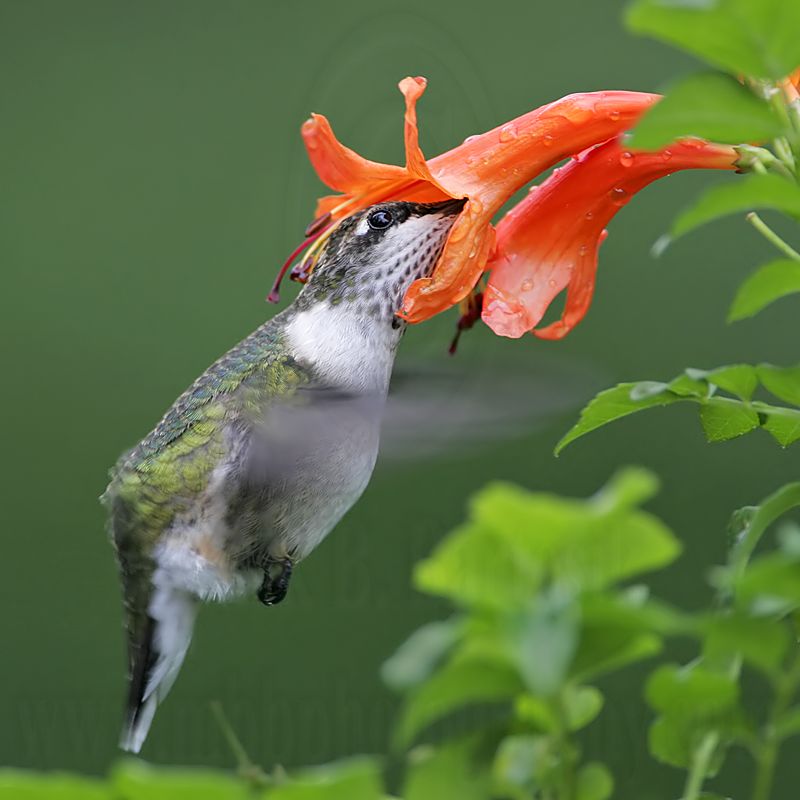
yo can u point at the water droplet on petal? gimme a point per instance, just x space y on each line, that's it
583 250
508 133
666 155
533 188
470 138
551 283
527 285
618 196
547 140
469 160
589 214
626 159
614 115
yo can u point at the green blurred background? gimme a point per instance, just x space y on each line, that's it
151 179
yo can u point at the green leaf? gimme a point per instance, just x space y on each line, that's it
419 655
708 106
615 631
23 785
691 692
582 704
759 641
610 405
136 780
455 771
783 382
725 419
767 284
752 37
774 575
744 194
789 723
455 686
522 764
351 779
474 565
594 782
738 379
542 641
782 423
693 701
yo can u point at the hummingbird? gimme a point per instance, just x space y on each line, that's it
258 460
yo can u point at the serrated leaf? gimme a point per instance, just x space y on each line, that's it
455 686
708 106
593 782
758 39
744 194
768 283
418 656
726 419
351 779
783 424
738 379
783 382
610 405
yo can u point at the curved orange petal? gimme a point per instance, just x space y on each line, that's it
551 239
490 167
338 166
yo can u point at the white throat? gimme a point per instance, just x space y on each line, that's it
349 349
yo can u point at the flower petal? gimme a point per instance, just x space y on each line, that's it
340 167
489 168
551 239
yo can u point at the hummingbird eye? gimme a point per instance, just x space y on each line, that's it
380 220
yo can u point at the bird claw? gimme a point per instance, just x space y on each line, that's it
275 585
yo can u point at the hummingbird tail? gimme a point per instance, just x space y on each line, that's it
157 656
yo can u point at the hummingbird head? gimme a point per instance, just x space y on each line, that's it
372 257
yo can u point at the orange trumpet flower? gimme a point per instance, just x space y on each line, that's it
550 240
486 169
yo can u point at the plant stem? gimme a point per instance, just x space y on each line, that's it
771 236
246 768
699 768
767 756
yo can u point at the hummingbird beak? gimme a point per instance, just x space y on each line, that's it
446 208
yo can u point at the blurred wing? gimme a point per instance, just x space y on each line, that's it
446 406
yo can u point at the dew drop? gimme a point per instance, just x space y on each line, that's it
470 138
626 159
533 189
583 250
508 133
614 115
551 283
589 214
666 155
618 196
547 140
469 160
527 285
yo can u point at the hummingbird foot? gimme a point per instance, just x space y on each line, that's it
275 585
